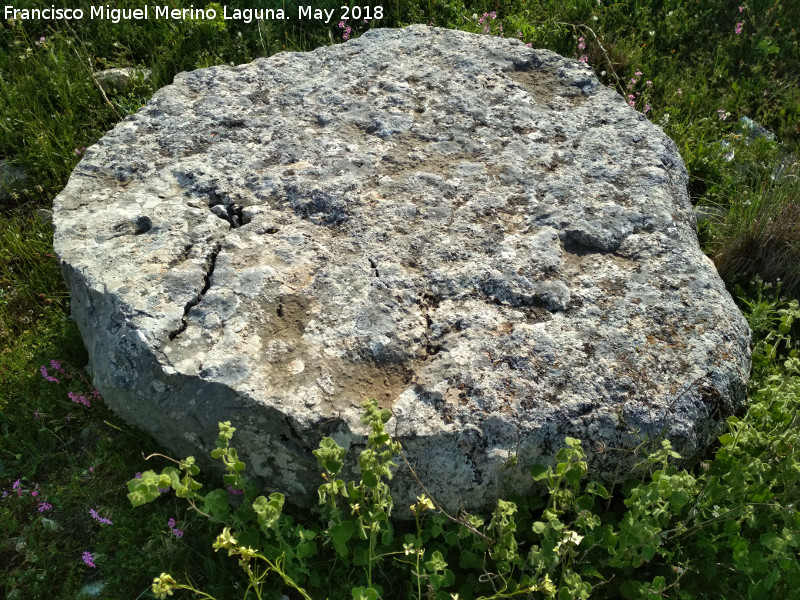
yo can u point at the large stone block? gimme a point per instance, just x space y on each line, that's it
476 233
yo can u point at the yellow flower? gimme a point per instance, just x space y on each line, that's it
162 586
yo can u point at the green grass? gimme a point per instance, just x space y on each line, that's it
704 78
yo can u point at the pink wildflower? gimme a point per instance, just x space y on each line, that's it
638 73
741 9
88 560
648 83
47 376
680 91
738 29
581 43
583 59
646 109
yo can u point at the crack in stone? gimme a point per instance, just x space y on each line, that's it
211 262
428 302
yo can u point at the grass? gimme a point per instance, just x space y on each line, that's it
704 77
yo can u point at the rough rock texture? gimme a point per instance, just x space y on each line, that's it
474 232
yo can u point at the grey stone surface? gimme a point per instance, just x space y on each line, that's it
474 232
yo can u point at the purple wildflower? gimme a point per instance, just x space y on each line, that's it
43 506
178 533
138 475
738 28
88 559
57 366
50 378
163 490
171 523
36 415
79 399
98 518
234 491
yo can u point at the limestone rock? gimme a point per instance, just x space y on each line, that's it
477 233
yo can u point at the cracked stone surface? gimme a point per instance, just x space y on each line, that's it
476 233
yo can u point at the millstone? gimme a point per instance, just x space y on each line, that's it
476 233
